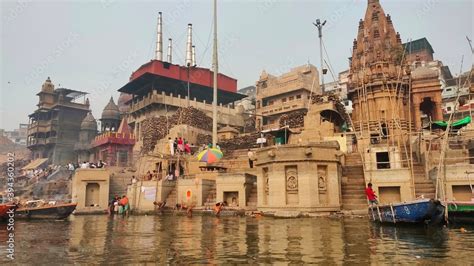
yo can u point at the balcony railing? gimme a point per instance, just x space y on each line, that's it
282 107
178 101
42 126
276 89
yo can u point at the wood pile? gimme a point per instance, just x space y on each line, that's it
153 129
156 128
294 119
203 139
192 117
249 125
241 142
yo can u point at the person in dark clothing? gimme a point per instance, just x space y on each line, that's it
175 145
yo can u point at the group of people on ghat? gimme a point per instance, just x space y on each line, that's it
119 205
154 176
179 146
40 173
85 165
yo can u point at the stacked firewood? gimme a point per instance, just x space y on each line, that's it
294 119
192 117
156 128
249 125
203 139
241 142
153 129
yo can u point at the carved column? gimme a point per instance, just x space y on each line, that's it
416 115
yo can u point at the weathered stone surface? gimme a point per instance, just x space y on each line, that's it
287 214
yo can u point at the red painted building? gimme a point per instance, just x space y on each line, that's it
170 78
115 148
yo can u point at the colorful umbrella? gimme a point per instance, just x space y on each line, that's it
210 155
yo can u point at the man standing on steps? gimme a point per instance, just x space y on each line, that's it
371 194
251 157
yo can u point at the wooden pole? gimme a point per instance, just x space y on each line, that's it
215 70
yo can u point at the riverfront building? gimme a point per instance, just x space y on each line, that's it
287 93
54 126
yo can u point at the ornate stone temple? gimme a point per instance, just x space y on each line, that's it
54 126
86 136
299 178
379 84
110 119
115 147
394 96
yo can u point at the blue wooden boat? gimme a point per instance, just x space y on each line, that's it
423 211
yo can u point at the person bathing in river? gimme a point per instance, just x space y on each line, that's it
111 208
159 206
218 208
124 204
369 192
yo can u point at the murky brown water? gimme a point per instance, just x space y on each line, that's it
206 239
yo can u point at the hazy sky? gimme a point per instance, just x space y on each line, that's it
94 46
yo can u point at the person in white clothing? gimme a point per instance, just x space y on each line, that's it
171 144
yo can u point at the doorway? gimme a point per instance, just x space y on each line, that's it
92 194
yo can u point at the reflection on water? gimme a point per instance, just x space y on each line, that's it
206 239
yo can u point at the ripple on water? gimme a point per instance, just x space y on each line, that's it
238 240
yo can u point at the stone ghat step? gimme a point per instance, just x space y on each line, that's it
355 206
424 185
354 197
352 172
353 161
352 188
360 182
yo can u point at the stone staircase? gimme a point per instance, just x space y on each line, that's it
353 185
118 183
252 199
172 198
423 185
237 161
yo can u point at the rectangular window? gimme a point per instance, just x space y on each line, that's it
283 100
298 96
292 98
270 102
383 160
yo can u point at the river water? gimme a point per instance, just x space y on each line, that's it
238 240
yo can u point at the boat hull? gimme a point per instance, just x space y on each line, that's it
461 212
419 211
4 208
57 212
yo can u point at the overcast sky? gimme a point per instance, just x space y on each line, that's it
94 46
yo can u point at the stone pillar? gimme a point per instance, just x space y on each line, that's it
416 115
438 112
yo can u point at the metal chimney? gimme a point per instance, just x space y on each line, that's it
189 46
170 50
159 39
193 56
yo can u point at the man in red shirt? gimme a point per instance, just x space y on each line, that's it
371 194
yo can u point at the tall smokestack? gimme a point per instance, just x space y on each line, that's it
159 39
193 56
170 50
189 46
